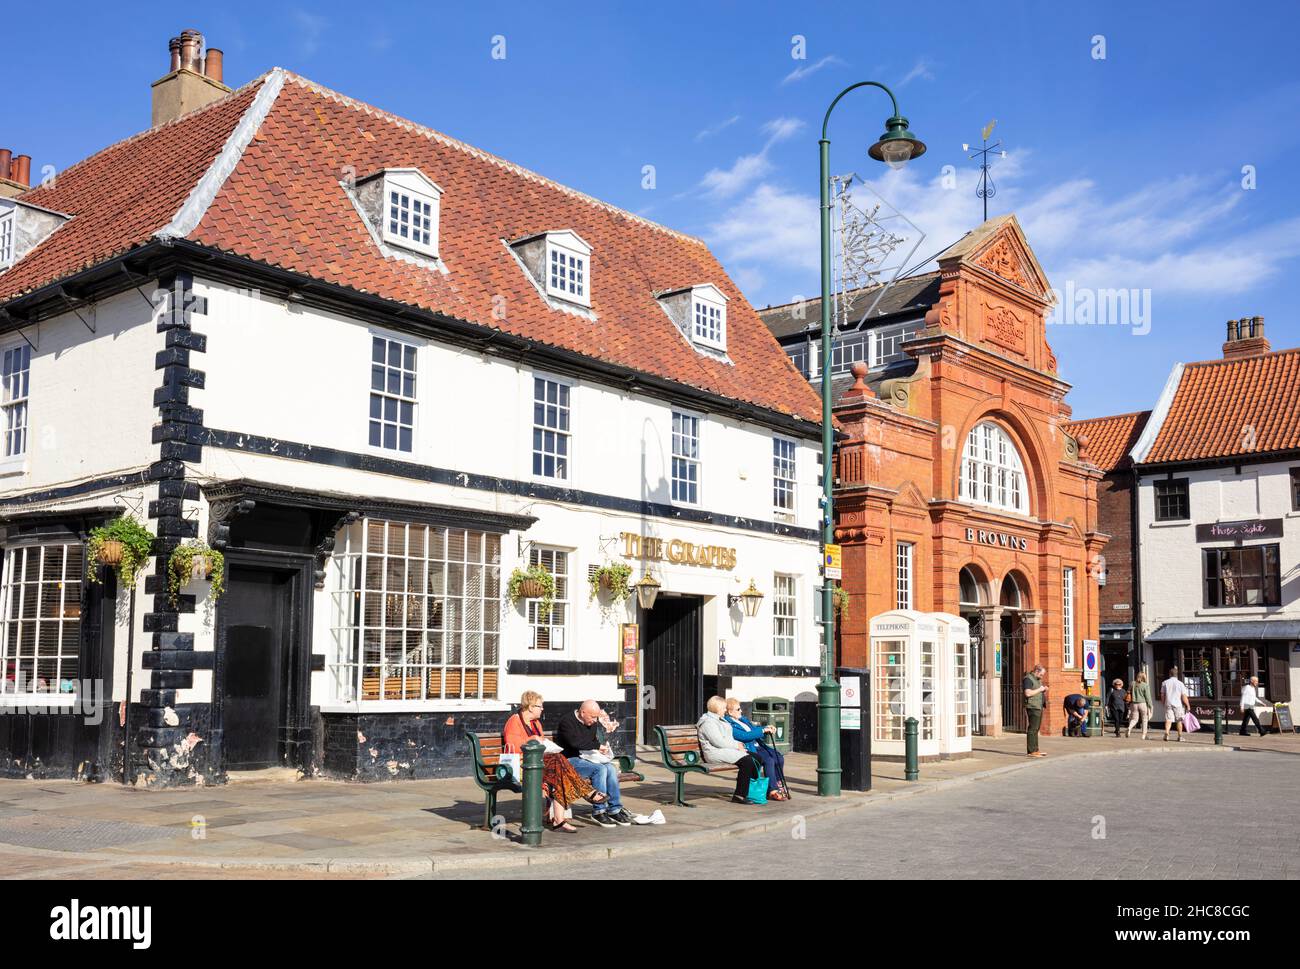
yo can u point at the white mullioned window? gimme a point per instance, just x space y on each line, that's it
566 272
6 238
992 472
40 618
415 613
392 394
783 475
785 605
13 400
551 428
1067 617
903 557
686 458
709 317
409 212
550 632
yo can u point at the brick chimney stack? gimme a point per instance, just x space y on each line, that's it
194 78
15 173
1246 338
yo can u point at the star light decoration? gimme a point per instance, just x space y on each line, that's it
866 235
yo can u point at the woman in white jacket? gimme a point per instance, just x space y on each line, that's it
719 746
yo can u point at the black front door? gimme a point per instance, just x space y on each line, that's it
257 622
1013 674
671 638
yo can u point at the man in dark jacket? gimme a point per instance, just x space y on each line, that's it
1076 712
580 732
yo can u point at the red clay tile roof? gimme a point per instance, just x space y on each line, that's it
1109 438
119 197
283 205
1224 408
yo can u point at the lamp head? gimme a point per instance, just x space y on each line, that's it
897 146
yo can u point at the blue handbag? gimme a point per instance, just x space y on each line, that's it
758 786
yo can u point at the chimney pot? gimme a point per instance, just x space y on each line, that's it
1232 330
174 48
1257 326
21 170
190 42
212 64
6 156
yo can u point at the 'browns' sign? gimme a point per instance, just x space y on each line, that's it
1000 539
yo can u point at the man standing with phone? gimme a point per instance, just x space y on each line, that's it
1035 697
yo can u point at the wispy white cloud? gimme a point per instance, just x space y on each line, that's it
310 28
769 227
747 169
920 70
715 129
799 73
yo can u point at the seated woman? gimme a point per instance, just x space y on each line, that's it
718 746
561 784
751 736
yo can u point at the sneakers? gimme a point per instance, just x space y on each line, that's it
620 817
604 820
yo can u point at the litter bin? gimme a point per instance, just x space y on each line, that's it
775 710
1096 717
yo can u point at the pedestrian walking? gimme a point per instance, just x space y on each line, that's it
1250 699
1117 704
1140 705
1035 696
1173 694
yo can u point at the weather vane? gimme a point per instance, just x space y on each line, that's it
986 188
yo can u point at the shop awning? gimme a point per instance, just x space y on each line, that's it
1252 629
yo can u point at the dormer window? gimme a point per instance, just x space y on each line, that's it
559 263
700 312
402 206
6 238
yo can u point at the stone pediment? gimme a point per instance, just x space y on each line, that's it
999 247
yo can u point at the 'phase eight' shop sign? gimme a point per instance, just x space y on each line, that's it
1001 539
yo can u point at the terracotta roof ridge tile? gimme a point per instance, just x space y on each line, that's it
1109 417
188 116
482 155
1253 357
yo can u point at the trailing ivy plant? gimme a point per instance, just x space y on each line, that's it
180 568
137 542
538 574
615 576
841 599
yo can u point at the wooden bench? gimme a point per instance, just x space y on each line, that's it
492 776
680 746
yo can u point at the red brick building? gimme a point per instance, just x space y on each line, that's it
959 488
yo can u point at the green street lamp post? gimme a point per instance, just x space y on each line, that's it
895 148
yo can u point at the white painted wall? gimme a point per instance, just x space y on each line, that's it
281 371
91 405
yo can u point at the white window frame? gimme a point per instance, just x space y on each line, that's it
787 485
400 397
557 623
1067 619
466 589
8 235
573 286
69 583
897 334
785 616
904 575
12 406
992 470
697 461
564 416
707 301
418 190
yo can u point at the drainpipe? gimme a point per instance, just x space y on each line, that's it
130 669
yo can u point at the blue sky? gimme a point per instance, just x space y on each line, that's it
1125 170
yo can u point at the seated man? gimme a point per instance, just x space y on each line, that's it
584 732
1076 710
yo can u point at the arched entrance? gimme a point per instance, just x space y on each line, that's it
972 604
1012 600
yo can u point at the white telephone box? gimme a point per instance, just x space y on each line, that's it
954 685
905 666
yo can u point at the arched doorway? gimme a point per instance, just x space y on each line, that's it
1012 599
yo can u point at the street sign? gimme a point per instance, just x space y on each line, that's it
1091 660
831 563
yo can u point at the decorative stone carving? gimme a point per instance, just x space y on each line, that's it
1001 259
1070 447
325 547
220 514
1003 326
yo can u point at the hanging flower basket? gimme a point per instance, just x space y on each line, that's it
611 578
110 553
192 562
531 589
123 545
532 583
